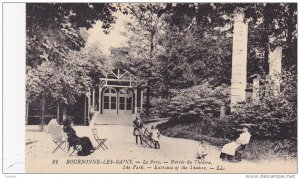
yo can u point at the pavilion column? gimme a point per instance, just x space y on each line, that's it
135 100
93 99
142 95
239 60
100 90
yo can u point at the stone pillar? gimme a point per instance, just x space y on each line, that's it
275 69
222 111
239 60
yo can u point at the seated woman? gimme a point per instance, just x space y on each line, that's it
230 150
73 139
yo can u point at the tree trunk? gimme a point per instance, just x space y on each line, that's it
84 116
151 44
57 113
64 112
27 111
289 27
43 112
288 62
148 102
266 58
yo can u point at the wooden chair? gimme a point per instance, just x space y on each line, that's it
101 142
240 153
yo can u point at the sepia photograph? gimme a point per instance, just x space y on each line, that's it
161 88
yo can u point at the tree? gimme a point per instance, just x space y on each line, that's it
54 29
270 25
149 17
53 32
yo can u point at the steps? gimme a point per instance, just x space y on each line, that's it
113 119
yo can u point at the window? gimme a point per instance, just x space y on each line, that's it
106 90
122 103
129 103
106 102
113 102
109 99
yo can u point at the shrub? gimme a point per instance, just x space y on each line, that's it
196 101
273 116
208 126
270 118
159 105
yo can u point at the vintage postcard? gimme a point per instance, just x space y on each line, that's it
161 88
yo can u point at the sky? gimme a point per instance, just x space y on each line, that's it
113 39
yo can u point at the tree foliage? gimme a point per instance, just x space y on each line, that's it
52 30
54 33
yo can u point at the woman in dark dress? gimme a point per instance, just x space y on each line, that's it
73 139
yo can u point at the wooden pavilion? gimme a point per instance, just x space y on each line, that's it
119 92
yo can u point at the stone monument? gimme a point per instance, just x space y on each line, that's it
239 60
275 69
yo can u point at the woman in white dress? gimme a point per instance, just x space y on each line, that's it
229 150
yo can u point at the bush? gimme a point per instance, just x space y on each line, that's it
196 101
274 116
271 118
208 126
159 106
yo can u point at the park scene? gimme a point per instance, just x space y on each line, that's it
161 88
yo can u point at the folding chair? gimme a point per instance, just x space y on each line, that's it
56 134
101 142
59 144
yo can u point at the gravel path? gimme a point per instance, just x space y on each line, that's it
122 149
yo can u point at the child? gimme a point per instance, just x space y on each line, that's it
155 134
201 150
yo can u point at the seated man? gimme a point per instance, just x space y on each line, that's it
230 150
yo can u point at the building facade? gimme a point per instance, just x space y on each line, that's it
120 93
